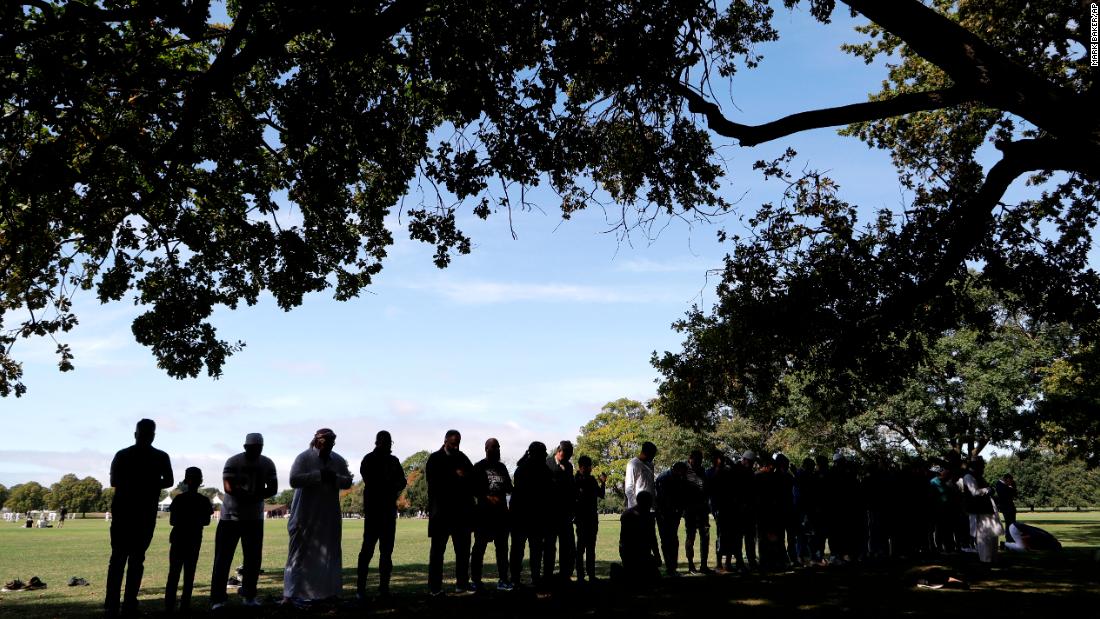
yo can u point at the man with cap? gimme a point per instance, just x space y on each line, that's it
248 478
383 481
639 475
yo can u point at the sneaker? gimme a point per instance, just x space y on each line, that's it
252 602
14 585
435 594
217 606
466 588
77 582
504 585
35 583
234 581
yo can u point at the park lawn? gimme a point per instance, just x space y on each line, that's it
1020 585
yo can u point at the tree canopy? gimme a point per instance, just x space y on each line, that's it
156 156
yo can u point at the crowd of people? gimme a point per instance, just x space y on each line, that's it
767 516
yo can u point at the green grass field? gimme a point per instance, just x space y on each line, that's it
1019 582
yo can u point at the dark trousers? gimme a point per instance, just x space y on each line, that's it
560 534
460 539
743 530
183 555
250 534
377 531
1009 519
130 537
499 537
697 522
522 536
587 529
668 525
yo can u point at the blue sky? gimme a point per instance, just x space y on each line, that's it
523 339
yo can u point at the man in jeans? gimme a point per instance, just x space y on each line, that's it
248 478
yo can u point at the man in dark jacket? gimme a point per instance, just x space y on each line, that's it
383 481
562 506
450 511
493 484
138 473
531 495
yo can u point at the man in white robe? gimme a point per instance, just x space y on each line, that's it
639 475
314 566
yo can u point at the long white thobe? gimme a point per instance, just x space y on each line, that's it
985 528
314 566
639 477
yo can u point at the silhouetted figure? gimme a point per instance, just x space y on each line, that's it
638 542
639 474
742 522
450 511
807 507
190 512
383 481
61 514
1006 502
314 564
531 495
697 513
770 526
589 492
672 491
825 513
719 480
493 484
943 492
785 478
248 479
138 473
562 505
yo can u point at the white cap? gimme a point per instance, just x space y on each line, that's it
748 455
254 438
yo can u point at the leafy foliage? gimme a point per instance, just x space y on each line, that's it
75 494
27 497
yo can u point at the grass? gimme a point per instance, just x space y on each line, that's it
1020 585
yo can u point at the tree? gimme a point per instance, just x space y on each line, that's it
75 494
27 497
1066 419
351 500
146 145
105 499
4 493
283 498
414 498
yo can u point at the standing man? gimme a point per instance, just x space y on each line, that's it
672 489
493 485
314 563
697 513
450 511
138 473
191 512
248 479
383 481
562 507
742 522
1006 502
639 475
589 492
65 512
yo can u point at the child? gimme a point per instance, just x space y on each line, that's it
190 513
589 492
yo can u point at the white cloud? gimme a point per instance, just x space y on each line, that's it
486 292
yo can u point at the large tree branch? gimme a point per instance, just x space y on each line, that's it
974 64
751 135
968 220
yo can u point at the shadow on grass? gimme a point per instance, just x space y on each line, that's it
1031 585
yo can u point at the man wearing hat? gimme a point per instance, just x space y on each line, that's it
248 479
